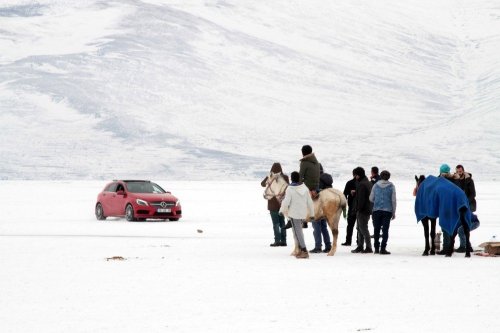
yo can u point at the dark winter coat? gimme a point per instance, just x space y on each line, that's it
374 179
309 171
467 185
273 204
325 181
362 199
349 187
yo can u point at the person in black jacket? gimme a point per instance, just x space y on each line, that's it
464 180
350 192
374 177
363 210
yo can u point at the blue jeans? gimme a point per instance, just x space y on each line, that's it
461 233
278 227
381 220
320 228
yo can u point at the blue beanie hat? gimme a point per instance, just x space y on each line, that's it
444 168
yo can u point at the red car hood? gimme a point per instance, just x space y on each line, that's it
155 197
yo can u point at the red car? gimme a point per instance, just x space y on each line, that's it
137 200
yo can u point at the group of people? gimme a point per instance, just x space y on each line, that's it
464 181
297 206
374 197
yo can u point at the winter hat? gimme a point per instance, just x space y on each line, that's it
359 171
295 176
444 168
306 150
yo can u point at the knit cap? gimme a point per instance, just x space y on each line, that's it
444 168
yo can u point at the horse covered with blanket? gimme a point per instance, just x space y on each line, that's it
438 197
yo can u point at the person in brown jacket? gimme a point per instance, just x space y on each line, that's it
274 205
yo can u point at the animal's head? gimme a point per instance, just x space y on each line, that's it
420 179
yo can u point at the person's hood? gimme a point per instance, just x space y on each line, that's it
276 168
383 183
466 175
310 157
300 189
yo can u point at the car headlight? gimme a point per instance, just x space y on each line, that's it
141 202
177 203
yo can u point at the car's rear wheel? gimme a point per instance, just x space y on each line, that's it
99 212
129 213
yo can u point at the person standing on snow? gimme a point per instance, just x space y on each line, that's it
320 227
298 206
444 172
363 210
464 180
350 192
383 196
274 204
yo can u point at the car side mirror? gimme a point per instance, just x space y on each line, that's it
120 192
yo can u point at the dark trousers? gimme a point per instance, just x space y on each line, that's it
363 233
381 220
351 222
320 228
278 227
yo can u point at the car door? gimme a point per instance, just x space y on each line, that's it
106 198
118 200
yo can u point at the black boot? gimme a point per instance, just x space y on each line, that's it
274 244
288 225
384 251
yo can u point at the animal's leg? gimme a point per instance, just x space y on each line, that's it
433 236
333 223
425 224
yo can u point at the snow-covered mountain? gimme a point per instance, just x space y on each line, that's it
206 89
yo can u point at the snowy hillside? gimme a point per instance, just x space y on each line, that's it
211 89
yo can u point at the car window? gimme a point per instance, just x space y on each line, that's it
111 187
157 188
144 187
120 187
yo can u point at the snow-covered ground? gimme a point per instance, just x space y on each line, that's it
203 89
54 275
206 94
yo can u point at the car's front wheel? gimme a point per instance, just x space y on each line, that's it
129 213
99 212
174 219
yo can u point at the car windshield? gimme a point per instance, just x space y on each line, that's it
144 187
